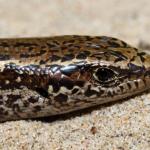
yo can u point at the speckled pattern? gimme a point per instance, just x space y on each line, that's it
62 74
123 125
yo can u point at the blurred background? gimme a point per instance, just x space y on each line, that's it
125 19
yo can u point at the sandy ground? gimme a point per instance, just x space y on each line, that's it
119 126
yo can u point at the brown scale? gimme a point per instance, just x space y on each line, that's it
65 74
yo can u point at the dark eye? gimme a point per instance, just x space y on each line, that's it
104 75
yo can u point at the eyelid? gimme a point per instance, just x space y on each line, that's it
109 80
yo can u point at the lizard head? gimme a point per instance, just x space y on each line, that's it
106 69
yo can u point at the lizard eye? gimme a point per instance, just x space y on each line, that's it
104 75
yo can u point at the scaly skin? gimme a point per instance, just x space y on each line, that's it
49 76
